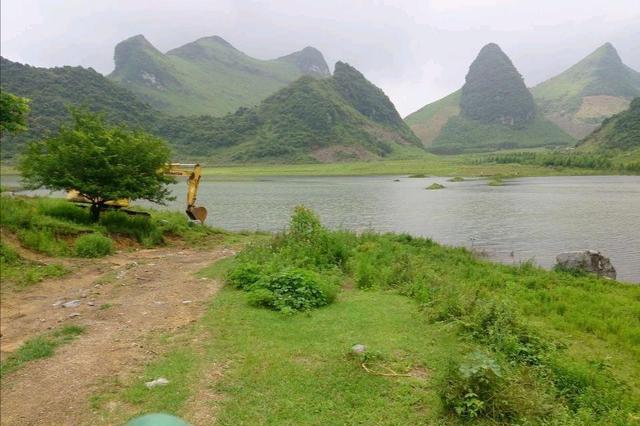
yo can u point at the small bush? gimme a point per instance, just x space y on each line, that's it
497 325
93 245
292 290
245 275
473 388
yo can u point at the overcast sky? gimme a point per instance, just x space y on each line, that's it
416 51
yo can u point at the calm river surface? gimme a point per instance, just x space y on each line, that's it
527 218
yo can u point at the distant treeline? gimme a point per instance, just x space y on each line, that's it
579 160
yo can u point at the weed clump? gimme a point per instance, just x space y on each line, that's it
292 290
93 245
435 185
473 388
296 271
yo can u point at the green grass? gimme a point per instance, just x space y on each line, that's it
19 273
39 347
429 165
466 165
567 347
57 227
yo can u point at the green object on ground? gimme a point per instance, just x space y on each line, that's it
157 419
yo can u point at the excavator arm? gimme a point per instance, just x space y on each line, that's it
194 172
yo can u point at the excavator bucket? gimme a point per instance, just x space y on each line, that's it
197 213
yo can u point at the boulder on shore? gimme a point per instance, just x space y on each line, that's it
587 261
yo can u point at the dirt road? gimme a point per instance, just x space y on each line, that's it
123 299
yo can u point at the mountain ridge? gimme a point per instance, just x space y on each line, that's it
596 87
207 76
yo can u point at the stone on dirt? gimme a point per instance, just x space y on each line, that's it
71 304
160 381
587 261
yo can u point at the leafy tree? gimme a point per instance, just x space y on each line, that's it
100 161
13 113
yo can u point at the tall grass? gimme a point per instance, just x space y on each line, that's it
52 226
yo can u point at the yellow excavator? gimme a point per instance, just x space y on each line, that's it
193 171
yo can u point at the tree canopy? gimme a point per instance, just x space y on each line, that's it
100 161
13 113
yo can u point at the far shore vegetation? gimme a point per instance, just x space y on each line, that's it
461 166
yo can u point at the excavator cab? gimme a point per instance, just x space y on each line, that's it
194 172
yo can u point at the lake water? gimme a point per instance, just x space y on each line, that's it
526 219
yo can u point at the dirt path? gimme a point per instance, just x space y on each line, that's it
123 299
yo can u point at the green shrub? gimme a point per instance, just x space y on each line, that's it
292 290
245 275
473 388
93 245
497 325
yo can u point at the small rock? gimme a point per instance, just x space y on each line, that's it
358 349
91 303
58 303
160 381
186 302
71 304
74 314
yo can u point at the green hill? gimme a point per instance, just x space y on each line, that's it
581 97
344 117
493 110
52 90
309 120
494 92
208 76
618 136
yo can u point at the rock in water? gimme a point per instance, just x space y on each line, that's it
588 261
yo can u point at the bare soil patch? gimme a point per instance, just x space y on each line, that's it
123 299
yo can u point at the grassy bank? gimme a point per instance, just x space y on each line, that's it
56 228
450 339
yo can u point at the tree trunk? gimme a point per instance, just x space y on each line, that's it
95 211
